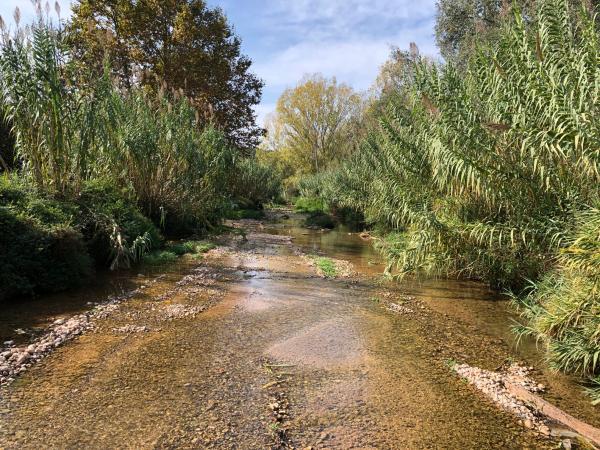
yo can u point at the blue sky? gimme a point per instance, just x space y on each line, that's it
286 39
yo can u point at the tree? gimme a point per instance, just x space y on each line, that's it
181 44
314 123
461 24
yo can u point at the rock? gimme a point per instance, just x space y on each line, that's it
9 343
545 430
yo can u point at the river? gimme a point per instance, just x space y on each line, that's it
249 348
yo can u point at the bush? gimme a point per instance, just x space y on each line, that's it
237 214
41 250
111 223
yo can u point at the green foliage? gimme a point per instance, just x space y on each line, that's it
185 44
253 183
159 258
563 309
42 250
309 205
186 247
491 172
116 232
326 266
238 214
173 251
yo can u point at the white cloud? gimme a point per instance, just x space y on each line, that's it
349 39
262 112
353 61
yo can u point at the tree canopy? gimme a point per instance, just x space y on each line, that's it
314 123
181 44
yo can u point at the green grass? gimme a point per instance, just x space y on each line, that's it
309 205
327 266
238 214
159 258
173 251
187 247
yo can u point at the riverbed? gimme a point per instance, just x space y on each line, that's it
251 348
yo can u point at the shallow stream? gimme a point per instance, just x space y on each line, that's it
274 356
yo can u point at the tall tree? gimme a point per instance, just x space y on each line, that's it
462 24
182 44
314 122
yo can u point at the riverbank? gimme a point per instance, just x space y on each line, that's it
252 345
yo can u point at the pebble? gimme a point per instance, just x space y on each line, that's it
18 359
493 385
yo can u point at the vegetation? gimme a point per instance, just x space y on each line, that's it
173 251
314 126
488 169
182 44
97 170
326 266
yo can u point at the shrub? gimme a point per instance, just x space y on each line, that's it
111 224
40 249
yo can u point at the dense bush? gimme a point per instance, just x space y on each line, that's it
41 249
102 169
49 245
115 230
253 184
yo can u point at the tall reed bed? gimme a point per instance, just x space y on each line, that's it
493 174
114 157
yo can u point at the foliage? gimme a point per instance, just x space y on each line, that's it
185 247
491 172
117 234
314 124
309 205
159 258
101 167
182 43
69 131
563 309
254 214
253 183
173 251
42 250
326 266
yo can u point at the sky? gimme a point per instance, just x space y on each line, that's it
286 39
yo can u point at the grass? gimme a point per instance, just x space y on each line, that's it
173 251
309 205
326 266
238 214
159 258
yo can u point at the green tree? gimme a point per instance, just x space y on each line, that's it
314 123
181 44
462 24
